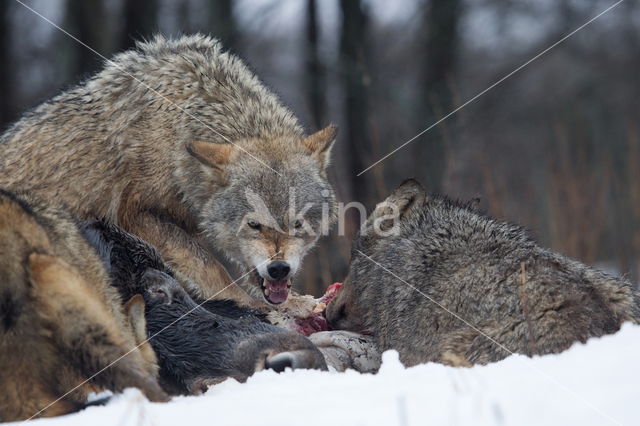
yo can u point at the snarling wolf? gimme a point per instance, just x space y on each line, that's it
61 322
197 343
460 288
178 142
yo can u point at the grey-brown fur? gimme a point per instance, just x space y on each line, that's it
60 320
164 141
489 273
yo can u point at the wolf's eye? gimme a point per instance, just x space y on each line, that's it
253 224
297 224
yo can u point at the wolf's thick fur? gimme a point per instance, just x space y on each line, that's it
489 273
60 320
167 141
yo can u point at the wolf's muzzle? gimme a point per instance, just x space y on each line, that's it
278 270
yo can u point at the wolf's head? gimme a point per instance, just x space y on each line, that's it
270 204
388 237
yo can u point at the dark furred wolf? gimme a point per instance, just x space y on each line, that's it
489 273
60 320
178 142
196 345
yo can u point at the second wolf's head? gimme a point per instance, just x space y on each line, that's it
264 204
390 235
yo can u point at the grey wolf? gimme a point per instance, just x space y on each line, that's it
174 141
475 289
60 320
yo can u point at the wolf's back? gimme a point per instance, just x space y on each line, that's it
130 122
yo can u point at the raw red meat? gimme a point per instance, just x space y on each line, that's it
331 292
316 321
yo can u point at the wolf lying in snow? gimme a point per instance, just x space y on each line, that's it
456 287
60 320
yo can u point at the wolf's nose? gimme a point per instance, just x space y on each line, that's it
278 270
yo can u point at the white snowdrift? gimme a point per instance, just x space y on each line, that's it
593 384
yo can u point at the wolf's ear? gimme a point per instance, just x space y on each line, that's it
474 203
214 155
134 308
409 193
400 202
319 144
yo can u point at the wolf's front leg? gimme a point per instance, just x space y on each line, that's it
197 269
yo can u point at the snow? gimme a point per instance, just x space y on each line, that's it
590 384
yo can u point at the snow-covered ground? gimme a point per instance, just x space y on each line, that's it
593 384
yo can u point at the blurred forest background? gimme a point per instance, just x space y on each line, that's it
556 147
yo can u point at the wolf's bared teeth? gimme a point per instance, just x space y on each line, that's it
266 292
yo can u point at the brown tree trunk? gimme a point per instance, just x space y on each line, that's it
140 21
441 46
85 19
7 111
222 23
315 79
356 81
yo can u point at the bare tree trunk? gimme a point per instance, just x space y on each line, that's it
441 46
315 78
140 21
222 23
7 109
353 61
184 22
86 20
